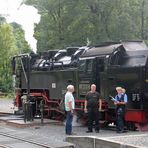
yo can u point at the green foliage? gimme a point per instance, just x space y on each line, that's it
7 46
20 42
72 22
12 42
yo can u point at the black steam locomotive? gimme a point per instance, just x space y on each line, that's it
45 76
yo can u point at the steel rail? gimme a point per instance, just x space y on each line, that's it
24 140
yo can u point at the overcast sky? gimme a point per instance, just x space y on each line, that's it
22 14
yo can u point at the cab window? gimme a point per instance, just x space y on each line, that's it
89 66
82 65
86 66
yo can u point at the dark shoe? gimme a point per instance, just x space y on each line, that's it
97 131
70 133
73 133
119 132
89 131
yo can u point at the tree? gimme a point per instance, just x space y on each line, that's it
7 47
12 42
71 22
20 42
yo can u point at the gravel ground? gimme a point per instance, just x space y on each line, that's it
56 133
6 106
140 139
56 136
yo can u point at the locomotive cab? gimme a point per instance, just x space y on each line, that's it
89 73
93 64
121 64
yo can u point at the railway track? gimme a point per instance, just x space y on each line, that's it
23 141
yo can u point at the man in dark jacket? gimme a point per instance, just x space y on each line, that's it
92 106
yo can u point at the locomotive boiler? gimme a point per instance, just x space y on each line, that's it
45 76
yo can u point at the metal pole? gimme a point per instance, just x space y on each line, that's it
28 78
42 109
25 111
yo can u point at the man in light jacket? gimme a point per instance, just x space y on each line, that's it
69 108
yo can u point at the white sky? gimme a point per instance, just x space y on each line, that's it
25 15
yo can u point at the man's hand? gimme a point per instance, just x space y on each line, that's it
116 102
72 111
85 110
100 108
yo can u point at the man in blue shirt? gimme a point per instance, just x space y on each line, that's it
120 102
